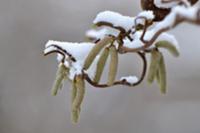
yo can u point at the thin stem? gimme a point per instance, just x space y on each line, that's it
122 82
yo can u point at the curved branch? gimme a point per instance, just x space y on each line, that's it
63 50
121 82
121 29
163 26
57 52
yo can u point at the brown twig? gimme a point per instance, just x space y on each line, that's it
64 51
121 82
57 52
179 19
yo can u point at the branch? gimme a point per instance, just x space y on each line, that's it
177 16
121 82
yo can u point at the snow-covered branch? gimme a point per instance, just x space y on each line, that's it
116 34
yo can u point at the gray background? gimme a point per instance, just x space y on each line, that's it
26 105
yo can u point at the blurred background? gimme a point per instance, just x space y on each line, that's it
26 76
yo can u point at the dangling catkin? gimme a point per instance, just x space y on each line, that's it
95 50
113 65
101 64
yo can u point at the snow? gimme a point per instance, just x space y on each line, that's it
163 37
130 79
170 4
49 49
78 50
81 50
137 43
147 14
189 13
143 16
99 34
170 38
116 19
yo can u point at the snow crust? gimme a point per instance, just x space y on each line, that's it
116 19
147 14
169 3
99 34
130 79
160 4
79 51
185 12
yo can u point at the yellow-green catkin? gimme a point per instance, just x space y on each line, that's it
155 59
101 64
60 76
162 76
78 99
95 50
73 91
75 116
158 77
113 65
74 113
170 47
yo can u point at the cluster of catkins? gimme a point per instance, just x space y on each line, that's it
70 68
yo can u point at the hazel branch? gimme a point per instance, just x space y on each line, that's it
177 16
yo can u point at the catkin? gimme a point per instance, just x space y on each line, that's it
100 65
113 65
158 76
155 59
74 113
162 75
60 76
73 91
95 50
78 99
170 47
